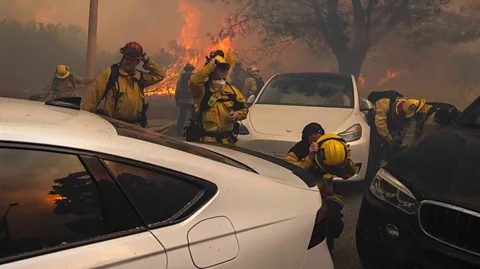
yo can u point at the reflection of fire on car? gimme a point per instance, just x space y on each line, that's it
289 101
423 208
127 197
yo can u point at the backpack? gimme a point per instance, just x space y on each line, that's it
112 83
391 94
445 113
373 97
183 84
259 82
113 80
194 132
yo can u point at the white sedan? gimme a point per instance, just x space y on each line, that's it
290 101
81 191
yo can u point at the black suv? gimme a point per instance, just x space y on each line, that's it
422 209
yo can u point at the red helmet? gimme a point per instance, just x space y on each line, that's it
132 49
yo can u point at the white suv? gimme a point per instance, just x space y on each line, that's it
290 101
81 191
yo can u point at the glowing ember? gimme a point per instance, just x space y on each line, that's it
185 51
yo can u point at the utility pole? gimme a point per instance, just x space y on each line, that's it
92 38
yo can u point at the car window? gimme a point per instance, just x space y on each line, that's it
46 200
157 197
319 90
132 131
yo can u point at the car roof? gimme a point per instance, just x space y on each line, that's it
18 113
37 124
326 74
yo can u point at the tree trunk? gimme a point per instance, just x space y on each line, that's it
350 63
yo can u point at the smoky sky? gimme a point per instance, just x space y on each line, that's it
151 22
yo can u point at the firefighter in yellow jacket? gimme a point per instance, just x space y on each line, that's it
122 86
64 84
325 155
218 104
253 83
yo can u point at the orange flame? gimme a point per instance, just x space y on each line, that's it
361 81
390 75
187 42
188 36
46 15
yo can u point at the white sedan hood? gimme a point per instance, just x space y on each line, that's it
290 120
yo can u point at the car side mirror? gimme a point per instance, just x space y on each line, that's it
365 105
251 100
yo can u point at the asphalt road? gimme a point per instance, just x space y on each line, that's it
345 252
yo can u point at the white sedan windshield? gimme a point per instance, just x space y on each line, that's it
309 89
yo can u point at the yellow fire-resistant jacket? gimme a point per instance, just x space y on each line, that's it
250 85
382 107
214 119
324 184
423 125
130 96
64 87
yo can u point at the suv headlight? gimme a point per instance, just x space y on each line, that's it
388 189
353 133
242 130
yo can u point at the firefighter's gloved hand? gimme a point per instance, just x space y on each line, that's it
337 199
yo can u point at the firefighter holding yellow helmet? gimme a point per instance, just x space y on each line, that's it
218 105
325 156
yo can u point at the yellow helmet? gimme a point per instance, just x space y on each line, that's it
62 71
253 69
221 61
333 151
412 107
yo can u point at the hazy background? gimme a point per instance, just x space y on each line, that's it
439 73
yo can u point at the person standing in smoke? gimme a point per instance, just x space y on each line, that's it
182 98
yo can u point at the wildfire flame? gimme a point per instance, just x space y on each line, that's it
361 81
46 15
389 76
186 51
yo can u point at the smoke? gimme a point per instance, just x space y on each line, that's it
153 23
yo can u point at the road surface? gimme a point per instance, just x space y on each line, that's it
345 253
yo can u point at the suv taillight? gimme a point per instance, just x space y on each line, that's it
319 228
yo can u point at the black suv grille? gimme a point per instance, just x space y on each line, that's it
452 225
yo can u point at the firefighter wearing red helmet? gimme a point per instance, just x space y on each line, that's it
122 85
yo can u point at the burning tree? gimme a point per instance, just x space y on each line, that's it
350 28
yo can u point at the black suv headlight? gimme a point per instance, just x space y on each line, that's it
388 189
